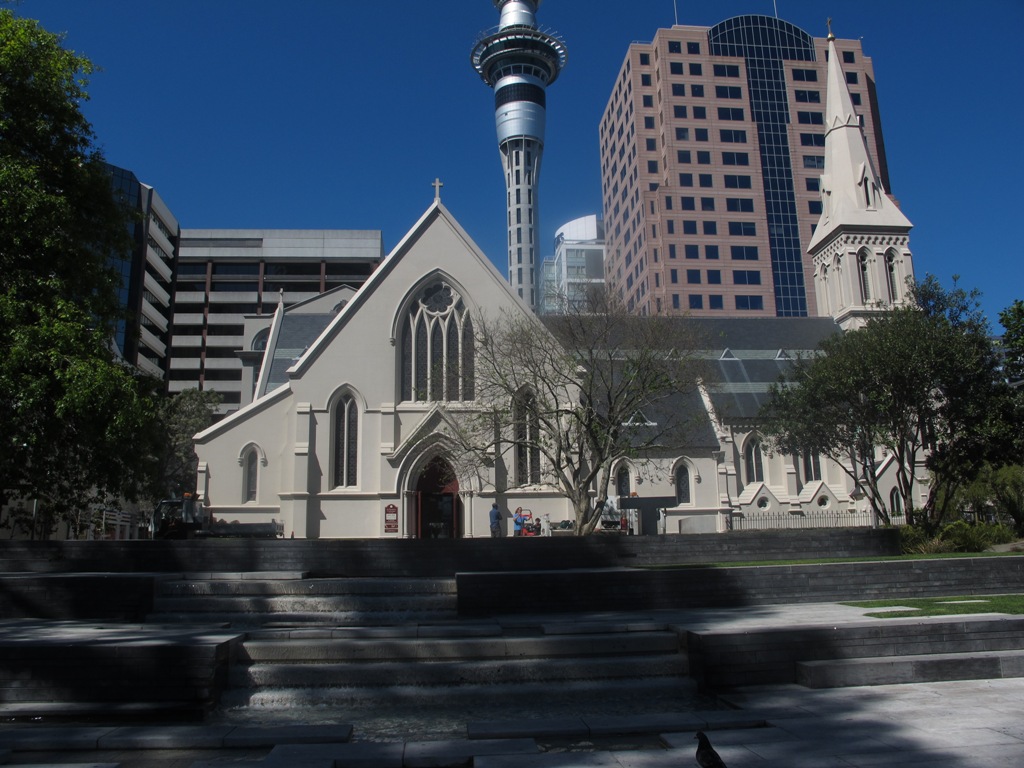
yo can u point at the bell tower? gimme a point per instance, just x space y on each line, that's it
860 247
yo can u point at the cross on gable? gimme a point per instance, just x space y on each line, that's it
437 189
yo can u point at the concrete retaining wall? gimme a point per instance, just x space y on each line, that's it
125 597
433 557
634 589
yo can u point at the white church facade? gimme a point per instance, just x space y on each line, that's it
349 430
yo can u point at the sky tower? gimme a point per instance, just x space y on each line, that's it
519 61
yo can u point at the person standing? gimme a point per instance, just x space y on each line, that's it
517 522
495 518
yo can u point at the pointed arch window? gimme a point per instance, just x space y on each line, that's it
250 474
891 279
346 442
526 439
437 347
864 277
753 467
810 466
622 481
895 503
682 479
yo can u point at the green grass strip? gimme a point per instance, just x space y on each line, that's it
944 606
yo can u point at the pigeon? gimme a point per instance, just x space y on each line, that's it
706 755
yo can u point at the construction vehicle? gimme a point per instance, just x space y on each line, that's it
186 518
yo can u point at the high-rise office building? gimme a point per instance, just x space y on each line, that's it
147 275
225 275
519 61
712 149
576 267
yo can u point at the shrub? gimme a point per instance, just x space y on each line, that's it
911 539
964 537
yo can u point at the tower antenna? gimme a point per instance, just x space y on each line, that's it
675 7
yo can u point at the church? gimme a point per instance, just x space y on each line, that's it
348 432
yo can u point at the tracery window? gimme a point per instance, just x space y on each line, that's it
526 426
437 347
346 442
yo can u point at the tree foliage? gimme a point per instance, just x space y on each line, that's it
917 383
999 492
77 423
181 417
1012 319
599 384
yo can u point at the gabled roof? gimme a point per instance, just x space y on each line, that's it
853 196
761 351
293 330
435 213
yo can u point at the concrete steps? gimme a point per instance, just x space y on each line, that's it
316 640
456 661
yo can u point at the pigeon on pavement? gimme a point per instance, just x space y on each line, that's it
706 755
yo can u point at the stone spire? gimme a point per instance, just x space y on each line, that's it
851 189
859 246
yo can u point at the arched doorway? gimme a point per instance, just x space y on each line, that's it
438 506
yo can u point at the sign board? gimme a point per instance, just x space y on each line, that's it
390 519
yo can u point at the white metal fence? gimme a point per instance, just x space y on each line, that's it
824 518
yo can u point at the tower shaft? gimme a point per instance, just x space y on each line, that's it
519 61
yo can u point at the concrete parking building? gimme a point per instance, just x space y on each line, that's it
225 275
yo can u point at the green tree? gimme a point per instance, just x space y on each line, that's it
919 382
181 417
999 490
584 388
77 423
1012 319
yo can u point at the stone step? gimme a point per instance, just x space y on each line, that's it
725 659
114 665
305 604
922 668
453 648
447 674
307 619
246 585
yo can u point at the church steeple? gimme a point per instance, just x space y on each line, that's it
859 246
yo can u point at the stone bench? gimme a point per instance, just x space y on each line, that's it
923 668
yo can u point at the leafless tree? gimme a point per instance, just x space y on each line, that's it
565 396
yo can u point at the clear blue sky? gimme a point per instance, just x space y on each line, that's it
340 113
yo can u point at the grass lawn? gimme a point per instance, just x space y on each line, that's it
944 606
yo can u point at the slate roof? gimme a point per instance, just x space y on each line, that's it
298 332
749 355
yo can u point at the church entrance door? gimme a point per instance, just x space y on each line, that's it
438 506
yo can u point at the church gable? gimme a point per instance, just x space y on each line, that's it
360 341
